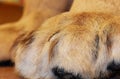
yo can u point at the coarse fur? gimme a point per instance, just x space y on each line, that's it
34 14
81 44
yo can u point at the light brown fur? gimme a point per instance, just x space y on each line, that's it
80 44
34 14
72 46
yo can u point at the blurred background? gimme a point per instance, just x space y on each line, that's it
10 10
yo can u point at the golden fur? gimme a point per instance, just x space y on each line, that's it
34 14
80 44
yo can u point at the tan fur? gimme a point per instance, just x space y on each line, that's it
72 46
35 13
82 42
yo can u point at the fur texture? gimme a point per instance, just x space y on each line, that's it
82 46
34 14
